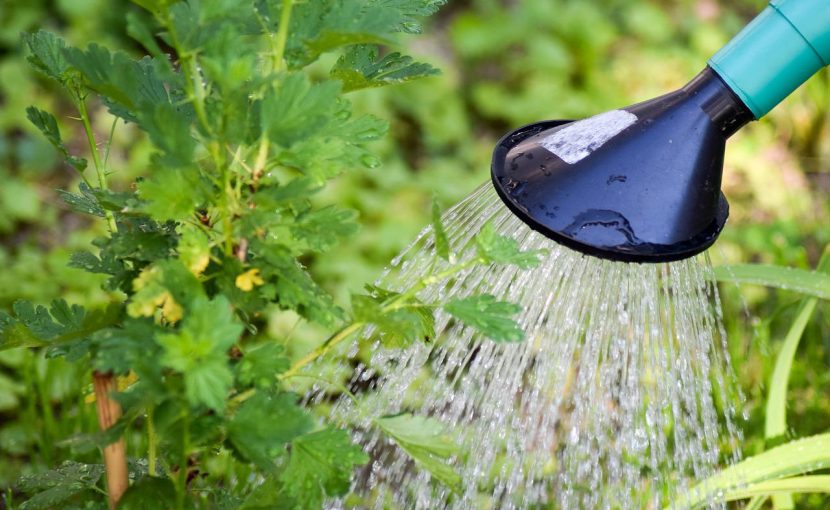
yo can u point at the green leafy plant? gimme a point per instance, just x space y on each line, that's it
245 133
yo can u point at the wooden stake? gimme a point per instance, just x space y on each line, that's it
115 454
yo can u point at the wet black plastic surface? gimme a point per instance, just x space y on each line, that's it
649 194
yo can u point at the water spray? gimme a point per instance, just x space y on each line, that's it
621 395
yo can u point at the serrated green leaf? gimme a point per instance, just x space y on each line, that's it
320 466
293 194
293 288
169 129
261 365
264 424
298 109
172 195
323 228
208 382
149 492
64 496
139 238
85 203
398 327
92 264
361 68
37 326
129 86
129 347
324 25
51 489
198 350
48 125
87 442
47 54
115 201
268 495
426 441
491 317
442 243
499 249
68 472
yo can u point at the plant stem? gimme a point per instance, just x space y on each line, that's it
48 417
195 89
261 159
282 34
328 345
115 454
402 298
96 159
333 341
151 443
227 194
398 302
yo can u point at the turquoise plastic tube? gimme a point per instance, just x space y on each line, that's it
778 51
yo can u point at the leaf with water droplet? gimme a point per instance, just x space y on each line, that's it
500 249
793 458
53 488
809 283
370 161
488 315
84 203
320 466
264 423
400 326
427 442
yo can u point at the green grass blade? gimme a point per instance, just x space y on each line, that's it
776 410
776 413
793 458
805 282
756 503
807 484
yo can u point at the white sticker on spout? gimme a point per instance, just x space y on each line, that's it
578 140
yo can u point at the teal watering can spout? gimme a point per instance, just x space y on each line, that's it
642 183
778 51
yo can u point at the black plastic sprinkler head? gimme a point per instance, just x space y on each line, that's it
642 183
637 184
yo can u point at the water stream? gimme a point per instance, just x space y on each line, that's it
621 395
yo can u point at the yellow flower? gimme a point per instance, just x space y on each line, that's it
249 279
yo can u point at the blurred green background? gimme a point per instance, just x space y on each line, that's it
505 63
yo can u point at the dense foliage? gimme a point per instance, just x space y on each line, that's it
220 180
242 139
